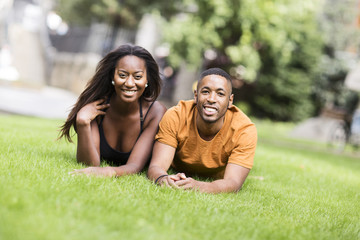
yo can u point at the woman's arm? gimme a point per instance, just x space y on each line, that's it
143 147
88 147
140 153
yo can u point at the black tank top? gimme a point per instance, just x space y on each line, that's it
113 156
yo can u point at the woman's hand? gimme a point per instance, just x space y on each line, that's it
90 111
95 171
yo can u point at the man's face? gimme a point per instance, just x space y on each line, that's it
213 97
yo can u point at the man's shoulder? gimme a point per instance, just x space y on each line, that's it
175 123
239 120
183 107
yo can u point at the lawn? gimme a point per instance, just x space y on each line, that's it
290 194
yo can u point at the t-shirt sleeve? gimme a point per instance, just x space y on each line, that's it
168 128
244 151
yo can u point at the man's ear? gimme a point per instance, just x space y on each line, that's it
195 95
231 99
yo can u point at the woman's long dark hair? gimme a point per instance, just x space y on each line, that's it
100 87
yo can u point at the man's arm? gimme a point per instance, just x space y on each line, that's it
161 160
234 178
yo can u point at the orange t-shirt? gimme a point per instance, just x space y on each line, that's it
234 143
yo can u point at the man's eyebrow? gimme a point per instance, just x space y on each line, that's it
205 87
218 89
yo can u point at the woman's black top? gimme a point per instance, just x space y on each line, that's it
113 156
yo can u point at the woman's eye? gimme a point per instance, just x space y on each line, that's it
122 75
138 77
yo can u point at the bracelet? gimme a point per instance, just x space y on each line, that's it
160 177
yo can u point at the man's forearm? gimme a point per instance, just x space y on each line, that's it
161 160
217 186
234 178
155 171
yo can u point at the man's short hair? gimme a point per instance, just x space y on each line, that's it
216 71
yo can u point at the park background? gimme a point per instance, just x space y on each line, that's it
295 69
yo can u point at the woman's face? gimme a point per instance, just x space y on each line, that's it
130 78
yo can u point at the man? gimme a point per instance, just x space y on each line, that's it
207 137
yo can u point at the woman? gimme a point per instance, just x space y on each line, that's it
116 117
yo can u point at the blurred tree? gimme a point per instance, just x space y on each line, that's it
116 13
341 30
272 47
339 22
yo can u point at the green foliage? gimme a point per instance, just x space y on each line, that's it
276 47
289 194
338 21
329 87
275 44
126 14
342 40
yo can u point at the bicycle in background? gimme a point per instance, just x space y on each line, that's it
345 131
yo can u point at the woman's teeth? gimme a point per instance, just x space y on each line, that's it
129 91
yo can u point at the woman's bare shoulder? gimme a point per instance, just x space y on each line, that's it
157 110
159 107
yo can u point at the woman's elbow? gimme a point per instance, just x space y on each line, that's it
88 163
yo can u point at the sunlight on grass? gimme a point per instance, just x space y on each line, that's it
279 133
290 194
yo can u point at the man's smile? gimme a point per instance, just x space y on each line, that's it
210 110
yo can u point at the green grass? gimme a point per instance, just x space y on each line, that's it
290 194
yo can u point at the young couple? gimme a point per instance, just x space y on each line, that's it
118 120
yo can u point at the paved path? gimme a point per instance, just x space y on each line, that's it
46 102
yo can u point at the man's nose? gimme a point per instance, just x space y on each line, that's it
212 97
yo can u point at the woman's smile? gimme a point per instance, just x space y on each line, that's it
129 92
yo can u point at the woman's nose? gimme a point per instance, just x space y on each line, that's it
130 82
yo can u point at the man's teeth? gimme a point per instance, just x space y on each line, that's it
210 109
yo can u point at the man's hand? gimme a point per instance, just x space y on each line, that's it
170 180
234 178
189 183
95 171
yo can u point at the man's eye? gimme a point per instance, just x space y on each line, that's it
221 94
204 92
